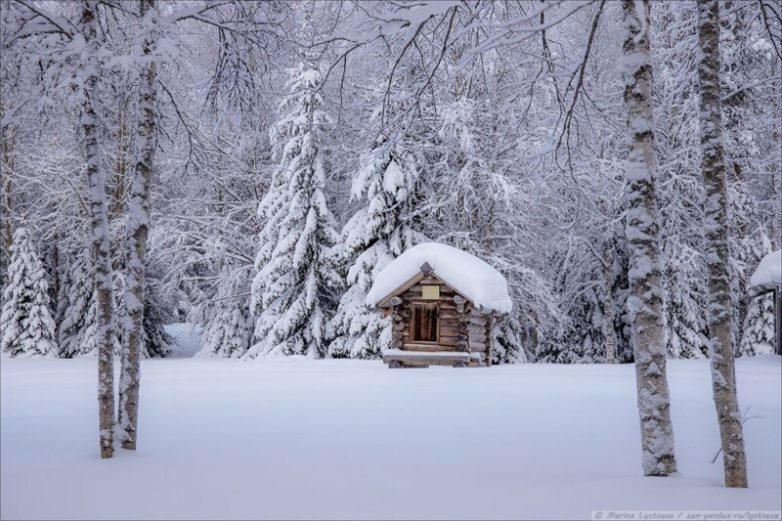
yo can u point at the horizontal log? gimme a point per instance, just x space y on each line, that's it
426 357
448 329
477 346
419 287
425 348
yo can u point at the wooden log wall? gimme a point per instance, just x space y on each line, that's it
461 326
477 332
448 316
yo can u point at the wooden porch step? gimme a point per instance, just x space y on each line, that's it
397 357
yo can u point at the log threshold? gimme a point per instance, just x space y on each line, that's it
395 357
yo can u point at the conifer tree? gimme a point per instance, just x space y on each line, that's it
294 286
26 321
375 235
758 336
684 286
229 328
76 328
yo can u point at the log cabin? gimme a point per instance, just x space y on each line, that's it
443 303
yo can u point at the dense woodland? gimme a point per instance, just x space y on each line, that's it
282 153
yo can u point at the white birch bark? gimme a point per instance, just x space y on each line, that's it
136 240
716 247
96 178
645 300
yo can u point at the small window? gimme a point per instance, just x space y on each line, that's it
423 323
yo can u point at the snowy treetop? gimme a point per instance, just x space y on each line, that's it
483 285
769 272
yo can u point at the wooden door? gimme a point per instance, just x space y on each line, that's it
424 322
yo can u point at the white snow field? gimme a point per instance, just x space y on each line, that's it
294 438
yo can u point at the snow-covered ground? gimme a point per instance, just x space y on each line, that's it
351 439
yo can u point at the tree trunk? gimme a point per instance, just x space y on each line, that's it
609 333
96 177
7 137
645 300
136 245
716 247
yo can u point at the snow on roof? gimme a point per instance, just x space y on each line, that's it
467 274
769 272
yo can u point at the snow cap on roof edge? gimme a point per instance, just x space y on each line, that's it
769 272
477 281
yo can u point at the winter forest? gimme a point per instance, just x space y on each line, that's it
249 168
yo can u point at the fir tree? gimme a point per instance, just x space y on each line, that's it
758 337
76 309
684 287
229 328
293 288
26 321
375 235
157 312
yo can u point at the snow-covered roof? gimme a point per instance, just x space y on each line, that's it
769 272
470 276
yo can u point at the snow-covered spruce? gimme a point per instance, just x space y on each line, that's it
758 335
375 235
157 343
684 285
295 282
229 327
26 320
759 327
76 330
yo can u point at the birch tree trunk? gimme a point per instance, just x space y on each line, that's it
715 226
136 243
96 176
645 300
